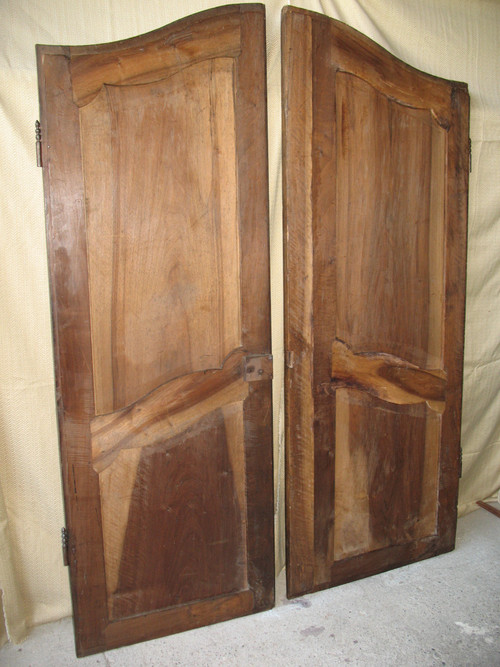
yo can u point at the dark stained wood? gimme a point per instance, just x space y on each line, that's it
155 176
489 508
184 541
375 204
251 150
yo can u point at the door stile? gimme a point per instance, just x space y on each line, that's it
65 217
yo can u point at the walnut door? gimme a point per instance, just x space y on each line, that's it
375 200
155 170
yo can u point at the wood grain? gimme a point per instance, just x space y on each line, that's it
386 474
251 147
192 615
128 237
298 307
375 175
67 260
161 422
184 539
155 174
167 410
156 56
386 377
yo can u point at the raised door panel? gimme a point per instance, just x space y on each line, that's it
375 199
155 172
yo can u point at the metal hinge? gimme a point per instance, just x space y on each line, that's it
38 143
65 545
258 367
470 155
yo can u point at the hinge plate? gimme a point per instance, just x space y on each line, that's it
258 367
65 545
38 143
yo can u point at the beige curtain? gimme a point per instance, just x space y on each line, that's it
455 40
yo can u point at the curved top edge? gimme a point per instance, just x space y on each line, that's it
152 35
154 81
365 40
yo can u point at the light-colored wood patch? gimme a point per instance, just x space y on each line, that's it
389 225
386 490
160 177
116 484
351 533
96 138
164 413
235 436
437 217
387 377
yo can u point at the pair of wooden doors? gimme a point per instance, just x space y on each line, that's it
155 171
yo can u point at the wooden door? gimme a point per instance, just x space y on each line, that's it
155 170
375 199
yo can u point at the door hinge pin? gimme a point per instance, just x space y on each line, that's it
65 545
38 136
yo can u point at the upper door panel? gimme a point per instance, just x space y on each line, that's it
152 153
375 200
155 173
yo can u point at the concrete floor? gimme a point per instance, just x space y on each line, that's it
443 611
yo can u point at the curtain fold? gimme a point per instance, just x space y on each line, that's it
12 607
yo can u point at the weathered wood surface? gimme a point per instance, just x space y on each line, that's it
375 201
155 175
387 377
174 300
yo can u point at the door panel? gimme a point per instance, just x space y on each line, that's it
193 185
155 174
375 199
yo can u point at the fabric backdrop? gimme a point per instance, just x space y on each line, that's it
448 38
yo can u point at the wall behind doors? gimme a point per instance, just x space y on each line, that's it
458 41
